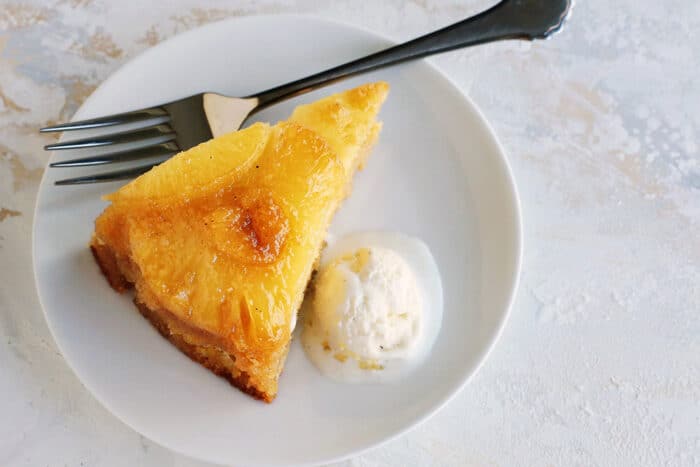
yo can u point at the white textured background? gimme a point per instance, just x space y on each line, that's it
600 362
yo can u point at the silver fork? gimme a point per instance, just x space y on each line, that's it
182 124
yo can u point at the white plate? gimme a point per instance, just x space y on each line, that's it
437 173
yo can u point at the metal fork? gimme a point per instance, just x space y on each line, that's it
184 123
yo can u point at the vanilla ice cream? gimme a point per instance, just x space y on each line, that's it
376 307
369 305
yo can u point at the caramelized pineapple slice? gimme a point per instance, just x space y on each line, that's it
187 173
347 121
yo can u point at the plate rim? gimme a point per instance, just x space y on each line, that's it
486 129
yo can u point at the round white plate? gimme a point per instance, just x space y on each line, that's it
437 173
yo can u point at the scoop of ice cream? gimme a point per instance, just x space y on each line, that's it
369 305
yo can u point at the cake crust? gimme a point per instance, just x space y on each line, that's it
207 351
214 359
107 262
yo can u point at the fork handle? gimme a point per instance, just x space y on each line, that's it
509 19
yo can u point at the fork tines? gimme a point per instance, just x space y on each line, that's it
157 142
161 150
155 135
136 116
124 174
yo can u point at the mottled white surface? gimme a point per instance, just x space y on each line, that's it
600 362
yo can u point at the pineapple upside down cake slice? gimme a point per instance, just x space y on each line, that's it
220 241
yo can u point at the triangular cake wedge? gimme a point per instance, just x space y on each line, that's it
220 241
